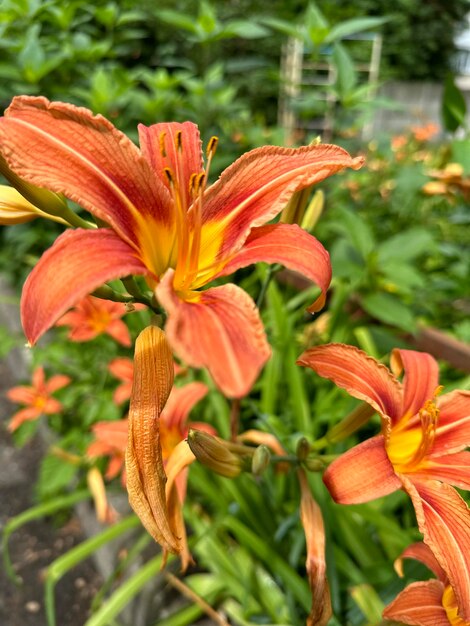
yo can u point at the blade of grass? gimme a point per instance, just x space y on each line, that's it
124 594
67 561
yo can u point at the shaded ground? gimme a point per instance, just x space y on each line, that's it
38 543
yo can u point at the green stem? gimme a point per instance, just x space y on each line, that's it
74 220
272 271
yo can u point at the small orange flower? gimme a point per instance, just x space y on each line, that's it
93 316
37 398
123 369
424 133
110 440
424 603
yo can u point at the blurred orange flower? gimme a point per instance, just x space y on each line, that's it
421 448
93 316
426 132
37 397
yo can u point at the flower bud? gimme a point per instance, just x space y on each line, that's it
261 459
46 201
313 211
214 453
313 465
303 448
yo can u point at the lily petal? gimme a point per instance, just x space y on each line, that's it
57 382
255 188
421 377
153 379
419 604
444 519
453 427
77 263
420 552
177 471
359 374
453 469
24 415
181 402
68 150
219 329
312 522
181 145
350 480
293 247
22 394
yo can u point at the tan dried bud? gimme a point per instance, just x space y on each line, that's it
214 453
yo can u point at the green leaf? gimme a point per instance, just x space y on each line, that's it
353 27
180 20
389 309
461 153
454 107
346 79
54 475
406 246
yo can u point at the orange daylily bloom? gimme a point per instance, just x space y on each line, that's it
430 603
111 437
420 450
166 224
37 397
93 316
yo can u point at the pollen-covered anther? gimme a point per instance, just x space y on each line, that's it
169 174
161 141
179 141
212 146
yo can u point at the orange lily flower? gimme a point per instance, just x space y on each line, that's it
167 225
93 316
110 440
111 437
430 603
37 397
420 450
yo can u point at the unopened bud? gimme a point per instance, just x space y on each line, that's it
294 210
45 200
303 448
214 453
261 460
313 211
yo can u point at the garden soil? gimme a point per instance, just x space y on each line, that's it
38 543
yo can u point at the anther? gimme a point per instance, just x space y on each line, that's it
179 141
212 146
161 140
192 184
169 175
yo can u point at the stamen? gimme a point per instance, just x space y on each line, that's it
168 173
161 140
192 186
179 140
429 416
212 146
